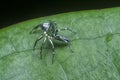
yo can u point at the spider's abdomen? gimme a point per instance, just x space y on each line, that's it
62 38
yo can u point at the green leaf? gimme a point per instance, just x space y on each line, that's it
96 48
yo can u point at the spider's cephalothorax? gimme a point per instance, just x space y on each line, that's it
49 28
50 32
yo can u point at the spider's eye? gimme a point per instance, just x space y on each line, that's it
46 25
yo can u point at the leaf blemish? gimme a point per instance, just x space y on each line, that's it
108 37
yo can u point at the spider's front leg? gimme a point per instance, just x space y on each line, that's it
53 48
42 47
32 31
41 36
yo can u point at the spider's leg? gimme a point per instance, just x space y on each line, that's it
42 47
65 40
70 47
32 31
67 29
53 48
41 36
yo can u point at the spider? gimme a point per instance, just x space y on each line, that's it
50 32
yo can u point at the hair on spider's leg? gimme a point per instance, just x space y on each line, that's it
41 36
53 49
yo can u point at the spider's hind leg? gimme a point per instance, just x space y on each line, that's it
67 29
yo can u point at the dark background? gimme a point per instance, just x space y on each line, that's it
12 12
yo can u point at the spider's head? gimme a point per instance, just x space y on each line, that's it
45 26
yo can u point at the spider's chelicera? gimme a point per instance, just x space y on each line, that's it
50 32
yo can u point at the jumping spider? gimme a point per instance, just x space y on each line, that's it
50 32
